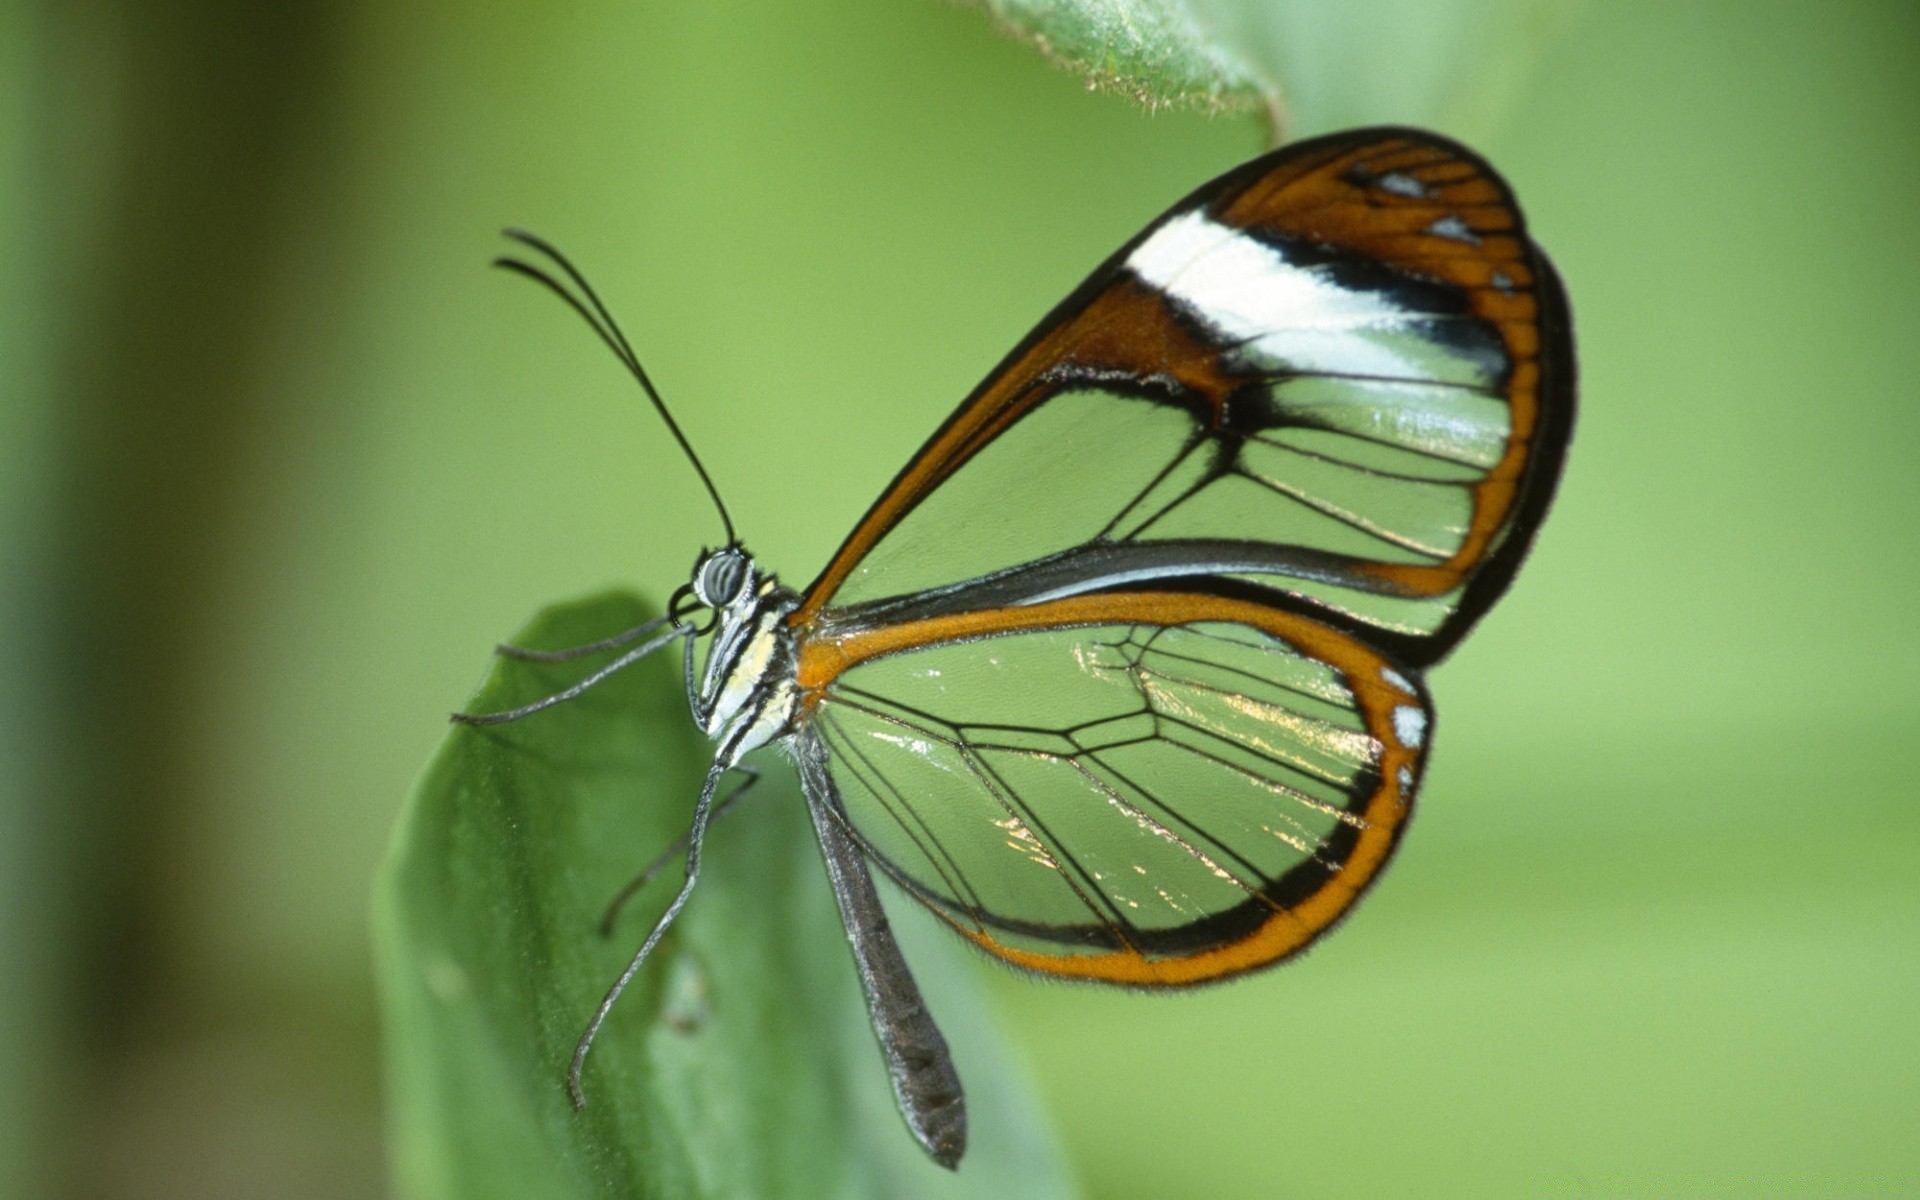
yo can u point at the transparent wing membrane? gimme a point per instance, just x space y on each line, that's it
1353 468
1128 800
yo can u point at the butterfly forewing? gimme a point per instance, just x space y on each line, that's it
1341 370
1147 788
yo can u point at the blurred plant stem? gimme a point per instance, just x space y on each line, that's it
222 117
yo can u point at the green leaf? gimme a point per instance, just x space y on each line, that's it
739 1063
1157 51
1312 65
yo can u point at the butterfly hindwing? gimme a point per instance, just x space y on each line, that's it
1149 788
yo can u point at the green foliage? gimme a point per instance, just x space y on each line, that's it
739 1063
1312 65
1157 51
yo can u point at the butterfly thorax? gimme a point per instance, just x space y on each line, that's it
748 695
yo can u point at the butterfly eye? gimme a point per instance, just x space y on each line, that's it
721 578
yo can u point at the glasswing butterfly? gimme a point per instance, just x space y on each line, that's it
1121 676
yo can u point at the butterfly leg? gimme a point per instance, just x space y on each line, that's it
672 852
693 684
702 813
613 643
624 661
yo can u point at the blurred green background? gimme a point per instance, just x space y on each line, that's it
281 460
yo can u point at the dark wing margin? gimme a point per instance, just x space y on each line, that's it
1341 370
1182 787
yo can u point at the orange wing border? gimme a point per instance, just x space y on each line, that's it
1292 911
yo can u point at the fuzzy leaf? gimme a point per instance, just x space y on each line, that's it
1311 64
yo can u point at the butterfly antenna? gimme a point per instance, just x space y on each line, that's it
595 314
